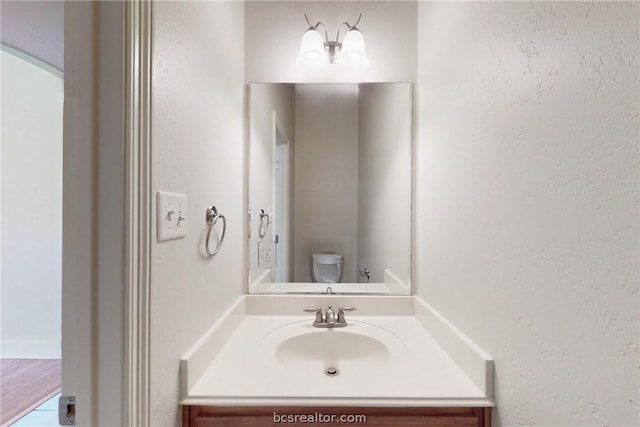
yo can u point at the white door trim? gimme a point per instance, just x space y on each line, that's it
106 205
138 202
77 259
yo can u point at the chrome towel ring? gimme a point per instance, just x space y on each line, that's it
212 218
264 226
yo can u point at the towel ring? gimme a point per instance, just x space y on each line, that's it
212 218
264 226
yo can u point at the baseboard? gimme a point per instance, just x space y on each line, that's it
30 349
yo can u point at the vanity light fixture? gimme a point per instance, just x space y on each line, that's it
316 51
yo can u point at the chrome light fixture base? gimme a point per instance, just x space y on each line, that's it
315 49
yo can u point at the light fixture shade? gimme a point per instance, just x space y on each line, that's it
312 50
353 49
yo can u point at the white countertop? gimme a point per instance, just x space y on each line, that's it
243 371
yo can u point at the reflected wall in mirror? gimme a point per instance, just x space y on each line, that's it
330 188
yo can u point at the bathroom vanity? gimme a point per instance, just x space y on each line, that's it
393 359
329 327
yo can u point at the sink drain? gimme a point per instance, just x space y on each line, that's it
331 372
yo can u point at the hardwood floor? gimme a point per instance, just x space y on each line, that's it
26 383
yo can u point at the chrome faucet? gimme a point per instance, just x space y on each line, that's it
329 320
330 317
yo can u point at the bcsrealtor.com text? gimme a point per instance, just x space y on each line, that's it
319 417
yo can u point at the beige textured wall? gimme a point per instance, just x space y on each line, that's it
198 149
527 208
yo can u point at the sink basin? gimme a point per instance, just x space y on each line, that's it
332 346
360 347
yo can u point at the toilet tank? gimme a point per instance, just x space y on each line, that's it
327 267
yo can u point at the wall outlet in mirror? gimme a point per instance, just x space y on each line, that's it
267 254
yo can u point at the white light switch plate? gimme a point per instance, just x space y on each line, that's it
172 215
267 254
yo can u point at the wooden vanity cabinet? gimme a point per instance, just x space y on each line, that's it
263 416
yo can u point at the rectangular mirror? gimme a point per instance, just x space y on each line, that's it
330 188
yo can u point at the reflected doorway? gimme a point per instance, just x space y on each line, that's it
282 194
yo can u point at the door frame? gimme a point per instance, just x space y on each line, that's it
106 211
138 205
281 201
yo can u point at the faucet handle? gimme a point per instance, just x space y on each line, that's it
341 311
317 311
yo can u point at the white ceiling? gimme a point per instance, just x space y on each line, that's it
34 27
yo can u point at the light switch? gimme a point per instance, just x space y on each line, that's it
172 215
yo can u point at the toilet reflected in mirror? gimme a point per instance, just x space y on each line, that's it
327 267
